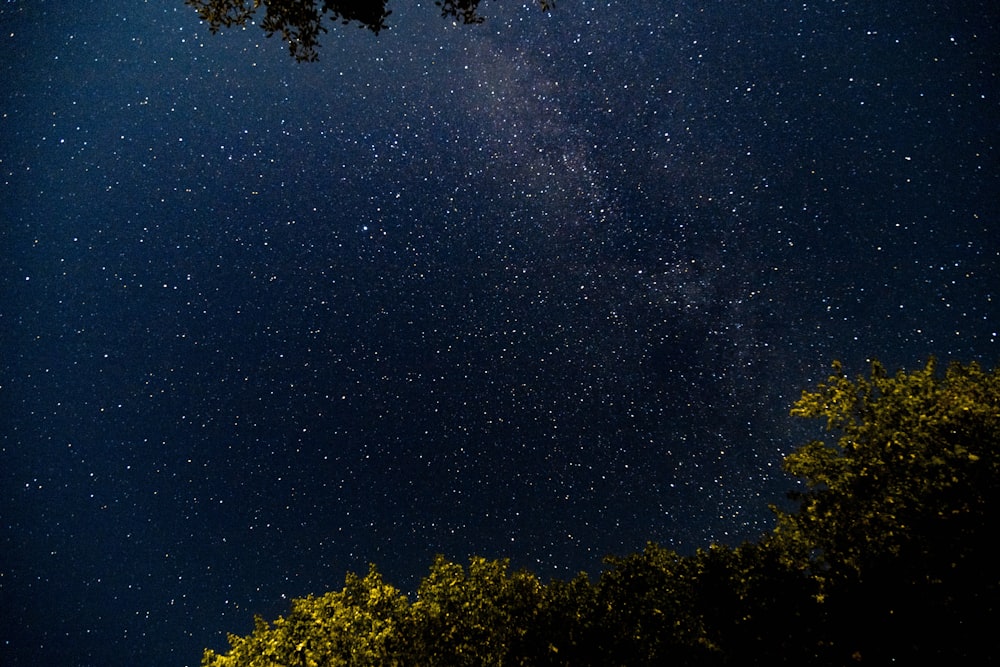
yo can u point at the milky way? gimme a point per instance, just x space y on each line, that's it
543 288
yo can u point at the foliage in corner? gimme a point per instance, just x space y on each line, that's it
301 22
914 458
888 558
896 523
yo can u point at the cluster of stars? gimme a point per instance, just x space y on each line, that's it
542 289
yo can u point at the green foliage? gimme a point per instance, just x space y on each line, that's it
354 626
659 607
888 558
648 601
915 456
301 22
478 615
895 522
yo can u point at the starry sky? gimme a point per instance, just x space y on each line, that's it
543 288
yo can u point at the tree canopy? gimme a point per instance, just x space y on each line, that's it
301 22
887 558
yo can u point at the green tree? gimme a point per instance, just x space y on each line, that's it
647 610
564 630
753 605
352 627
895 523
746 605
301 22
915 458
887 559
476 616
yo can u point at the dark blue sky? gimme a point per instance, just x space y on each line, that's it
542 288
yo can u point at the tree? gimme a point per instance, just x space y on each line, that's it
564 630
888 558
648 612
745 594
916 458
896 520
355 626
475 616
719 606
300 22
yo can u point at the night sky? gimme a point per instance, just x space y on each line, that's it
543 288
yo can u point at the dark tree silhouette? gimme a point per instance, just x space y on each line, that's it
300 22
